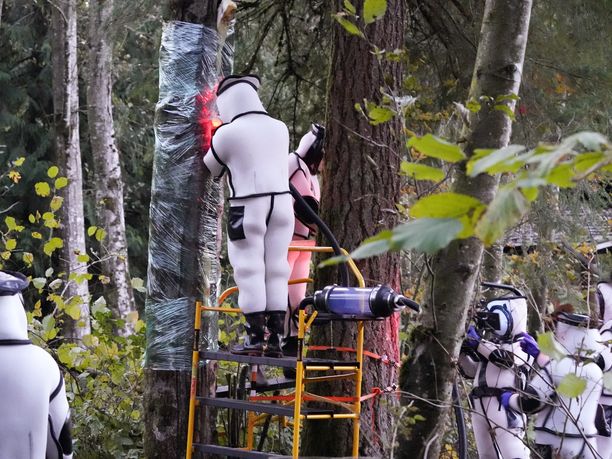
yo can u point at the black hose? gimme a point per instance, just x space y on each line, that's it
344 274
460 421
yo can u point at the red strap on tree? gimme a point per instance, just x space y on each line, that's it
383 358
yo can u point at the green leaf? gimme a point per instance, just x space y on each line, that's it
546 343
498 161
60 183
39 282
507 110
99 306
42 189
379 115
505 97
374 10
445 205
10 244
10 223
506 209
28 258
589 140
473 106
373 246
73 308
426 234
562 176
348 25
92 230
350 7
100 234
571 385
422 171
53 171
83 258
52 244
435 147
138 284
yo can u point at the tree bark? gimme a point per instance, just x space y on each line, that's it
360 189
430 370
66 119
108 181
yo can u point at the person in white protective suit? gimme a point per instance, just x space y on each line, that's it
250 147
304 165
565 427
498 364
34 411
604 301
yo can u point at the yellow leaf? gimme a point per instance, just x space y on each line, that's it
42 189
14 176
28 258
60 183
36 235
5 255
19 161
10 244
53 171
100 234
56 202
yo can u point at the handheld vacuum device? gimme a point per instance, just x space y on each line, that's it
361 303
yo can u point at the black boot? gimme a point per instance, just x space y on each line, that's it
256 330
290 350
276 326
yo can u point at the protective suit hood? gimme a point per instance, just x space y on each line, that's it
505 318
310 148
237 94
13 320
575 336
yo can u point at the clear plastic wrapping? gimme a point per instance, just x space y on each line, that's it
184 237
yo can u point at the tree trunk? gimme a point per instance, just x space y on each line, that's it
430 371
360 189
107 164
184 241
66 118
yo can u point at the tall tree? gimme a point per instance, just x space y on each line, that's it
360 189
108 181
429 372
68 152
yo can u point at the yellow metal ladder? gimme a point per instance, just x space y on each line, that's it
292 403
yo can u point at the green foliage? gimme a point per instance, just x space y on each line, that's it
422 172
374 10
433 147
571 385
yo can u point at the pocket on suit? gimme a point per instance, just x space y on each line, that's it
235 223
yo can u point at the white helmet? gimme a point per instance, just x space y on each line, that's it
13 320
576 335
503 318
237 95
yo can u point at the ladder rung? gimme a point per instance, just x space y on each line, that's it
226 451
273 384
270 408
286 362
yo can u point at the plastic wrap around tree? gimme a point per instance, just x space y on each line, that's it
184 236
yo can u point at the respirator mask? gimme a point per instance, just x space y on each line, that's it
495 322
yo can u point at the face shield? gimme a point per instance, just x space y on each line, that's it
495 321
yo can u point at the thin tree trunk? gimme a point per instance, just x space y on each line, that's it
107 165
430 370
66 117
360 189
1 4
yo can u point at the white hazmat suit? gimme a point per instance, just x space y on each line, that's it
503 367
604 300
34 411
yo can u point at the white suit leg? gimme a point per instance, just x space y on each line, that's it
245 248
495 439
59 436
278 236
